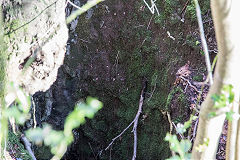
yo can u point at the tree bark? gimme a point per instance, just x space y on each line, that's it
225 15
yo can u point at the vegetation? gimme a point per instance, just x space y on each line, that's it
118 50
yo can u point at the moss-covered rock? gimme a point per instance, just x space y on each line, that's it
116 48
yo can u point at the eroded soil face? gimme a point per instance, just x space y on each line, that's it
36 36
111 50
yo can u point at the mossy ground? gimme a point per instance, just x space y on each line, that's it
121 44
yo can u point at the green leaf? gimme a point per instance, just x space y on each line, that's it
185 145
202 53
189 122
231 97
54 138
229 115
228 90
180 128
94 103
174 143
35 135
197 43
187 156
16 114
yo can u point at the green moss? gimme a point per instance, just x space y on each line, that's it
191 11
167 9
43 152
101 125
198 78
151 134
137 49
193 42
171 95
180 101
14 143
169 6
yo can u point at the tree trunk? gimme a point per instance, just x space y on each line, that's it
225 15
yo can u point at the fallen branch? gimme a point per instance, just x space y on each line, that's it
189 83
119 135
27 145
135 121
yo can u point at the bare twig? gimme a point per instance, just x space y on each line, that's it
74 5
92 151
184 11
169 35
136 123
185 88
194 130
153 7
34 114
149 22
185 6
189 83
27 145
176 130
119 135
171 128
115 65
204 42
170 122
154 88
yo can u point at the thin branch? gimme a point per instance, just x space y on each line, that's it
204 42
92 151
119 135
34 114
27 145
83 9
171 128
136 123
176 130
149 22
189 83
74 5
154 88
153 7
170 122
194 130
